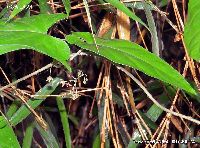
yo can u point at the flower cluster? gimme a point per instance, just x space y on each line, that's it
73 93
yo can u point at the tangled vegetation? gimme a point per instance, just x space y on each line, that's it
99 73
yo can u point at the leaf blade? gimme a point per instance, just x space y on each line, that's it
132 55
10 139
67 6
53 47
19 7
192 30
37 23
64 120
23 111
124 9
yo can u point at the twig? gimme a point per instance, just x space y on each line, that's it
155 102
27 76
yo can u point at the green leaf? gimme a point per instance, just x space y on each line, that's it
36 23
4 12
27 141
13 108
47 136
135 139
137 5
64 120
53 47
7 136
132 144
67 6
154 112
23 111
30 33
148 121
163 3
44 7
123 8
132 55
191 32
19 7
97 142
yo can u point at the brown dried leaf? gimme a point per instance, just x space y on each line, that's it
123 25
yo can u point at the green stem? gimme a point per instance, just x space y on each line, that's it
64 119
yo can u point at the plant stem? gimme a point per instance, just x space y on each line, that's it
64 119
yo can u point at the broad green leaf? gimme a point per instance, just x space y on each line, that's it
23 111
67 6
30 33
123 8
192 29
8 138
64 120
130 54
154 112
48 45
37 23
19 7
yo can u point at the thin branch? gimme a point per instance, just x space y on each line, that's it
27 76
155 102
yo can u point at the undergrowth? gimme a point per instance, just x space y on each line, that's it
99 73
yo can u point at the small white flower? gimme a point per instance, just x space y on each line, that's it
49 79
62 83
85 79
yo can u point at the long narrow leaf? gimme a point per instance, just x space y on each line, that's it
123 8
67 6
192 29
48 137
27 141
64 119
23 111
19 7
44 7
133 55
